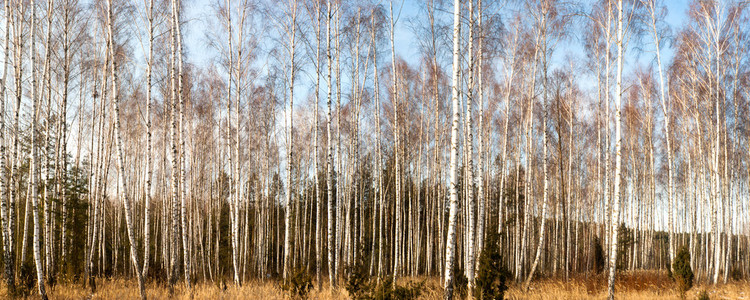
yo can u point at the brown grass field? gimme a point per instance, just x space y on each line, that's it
632 285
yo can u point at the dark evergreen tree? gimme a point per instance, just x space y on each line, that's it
683 274
492 275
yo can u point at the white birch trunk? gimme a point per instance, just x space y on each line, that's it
149 171
290 132
34 163
716 178
618 159
329 160
120 159
7 218
174 158
453 212
663 91
480 177
398 234
469 154
183 186
379 164
545 189
316 180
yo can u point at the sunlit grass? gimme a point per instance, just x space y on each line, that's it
630 285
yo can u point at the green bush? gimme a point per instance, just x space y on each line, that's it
625 244
382 290
735 273
389 290
598 259
26 279
460 283
411 290
357 282
492 275
298 285
683 274
703 295
361 287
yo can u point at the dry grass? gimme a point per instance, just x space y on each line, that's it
629 285
128 289
638 285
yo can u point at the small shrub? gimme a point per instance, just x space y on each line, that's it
298 285
409 291
703 295
598 259
683 274
383 289
389 290
491 276
26 279
735 273
625 244
460 283
357 283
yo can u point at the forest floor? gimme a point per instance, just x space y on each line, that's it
630 285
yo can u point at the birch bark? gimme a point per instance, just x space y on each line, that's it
453 212
120 159
618 159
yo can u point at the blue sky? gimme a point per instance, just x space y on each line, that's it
200 53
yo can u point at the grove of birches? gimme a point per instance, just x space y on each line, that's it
293 136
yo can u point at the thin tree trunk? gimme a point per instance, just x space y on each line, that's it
618 159
7 218
469 167
316 180
545 189
290 132
183 186
62 144
46 164
380 198
717 232
175 204
120 159
329 162
480 179
15 184
453 212
149 154
663 91
396 153
34 163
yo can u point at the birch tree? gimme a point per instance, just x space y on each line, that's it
470 201
7 218
14 184
175 158
663 92
316 9
149 170
34 162
615 217
177 35
292 31
120 160
453 211
398 246
329 160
